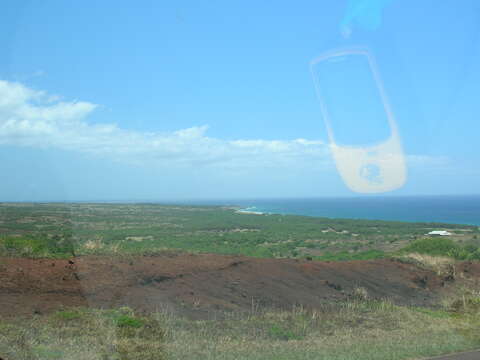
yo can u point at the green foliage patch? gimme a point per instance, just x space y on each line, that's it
61 230
280 332
347 256
441 246
56 246
129 321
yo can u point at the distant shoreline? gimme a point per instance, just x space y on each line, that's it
447 209
463 210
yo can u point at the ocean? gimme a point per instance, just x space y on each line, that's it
443 209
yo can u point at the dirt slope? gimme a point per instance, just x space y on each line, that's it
197 285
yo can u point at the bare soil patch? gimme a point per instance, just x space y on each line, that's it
199 285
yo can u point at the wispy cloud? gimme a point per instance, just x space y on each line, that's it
36 119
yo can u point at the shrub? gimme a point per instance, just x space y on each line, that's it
443 247
433 246
346 256
37 246
278 332
129 321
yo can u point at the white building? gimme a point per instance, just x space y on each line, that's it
439 233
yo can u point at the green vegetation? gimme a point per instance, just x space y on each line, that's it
360 329
129 321
345 256
440 246
39 245
61 230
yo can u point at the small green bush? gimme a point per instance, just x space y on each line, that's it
129 321
68 314
279 332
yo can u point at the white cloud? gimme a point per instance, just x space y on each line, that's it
34 118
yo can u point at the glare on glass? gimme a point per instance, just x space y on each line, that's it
363 134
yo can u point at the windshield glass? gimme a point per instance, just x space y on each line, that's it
239 180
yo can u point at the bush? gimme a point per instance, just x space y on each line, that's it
433 246
37 246
346 256
279 332
475 255
129 321
443 247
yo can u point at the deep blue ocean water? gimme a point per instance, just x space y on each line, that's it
445 209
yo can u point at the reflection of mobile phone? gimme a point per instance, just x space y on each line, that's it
362 131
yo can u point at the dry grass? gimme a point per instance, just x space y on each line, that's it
95 244
361 329
83 334
441 265
355 330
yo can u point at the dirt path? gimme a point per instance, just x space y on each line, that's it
197 285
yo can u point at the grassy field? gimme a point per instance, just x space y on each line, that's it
360 329
63 230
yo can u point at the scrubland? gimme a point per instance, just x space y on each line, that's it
361 327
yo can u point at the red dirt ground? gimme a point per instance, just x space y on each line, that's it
199 285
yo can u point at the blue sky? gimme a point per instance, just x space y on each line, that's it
213 99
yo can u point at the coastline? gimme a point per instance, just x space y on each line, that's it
461 210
